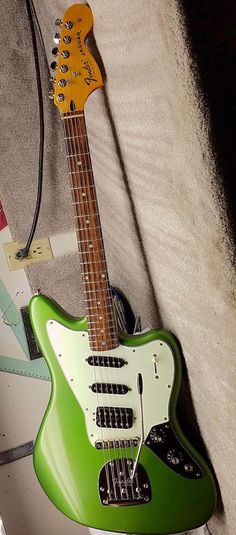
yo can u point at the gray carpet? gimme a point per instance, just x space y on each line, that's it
166 245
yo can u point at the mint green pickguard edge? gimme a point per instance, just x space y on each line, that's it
67 465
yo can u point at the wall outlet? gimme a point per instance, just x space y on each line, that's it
40 251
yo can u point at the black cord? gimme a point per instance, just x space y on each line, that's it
23 253
208 530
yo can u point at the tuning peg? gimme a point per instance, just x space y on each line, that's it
53 65
51 94
56 38
58 22
55 51
52 79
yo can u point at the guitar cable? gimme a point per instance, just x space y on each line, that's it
34 23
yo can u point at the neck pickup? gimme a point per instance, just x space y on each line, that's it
106 362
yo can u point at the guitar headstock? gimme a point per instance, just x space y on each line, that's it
76 72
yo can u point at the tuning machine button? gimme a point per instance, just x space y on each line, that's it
51 94
55 51
65 54
52 79
53 65
68 24
58 22
56 38
63 68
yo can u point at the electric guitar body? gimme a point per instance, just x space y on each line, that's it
70 465
110 453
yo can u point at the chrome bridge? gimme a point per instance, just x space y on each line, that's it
121 443
118 488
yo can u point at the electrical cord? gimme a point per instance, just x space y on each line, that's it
23 253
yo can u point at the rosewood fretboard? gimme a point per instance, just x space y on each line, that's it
102 328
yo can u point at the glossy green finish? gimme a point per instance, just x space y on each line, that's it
67 465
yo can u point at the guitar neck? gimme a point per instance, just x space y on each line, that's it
102 328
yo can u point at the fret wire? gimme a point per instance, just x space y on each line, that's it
87 216
95 290
91 239
69 116
85 200
79 171
98 227
84 187
94 300
95 282
75 155
100 312
92 251
74 137
96 274
103 320
111 328
92 262
99 343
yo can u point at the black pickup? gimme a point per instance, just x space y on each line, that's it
109 388
117 417
106 362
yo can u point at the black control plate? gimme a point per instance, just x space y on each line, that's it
163 441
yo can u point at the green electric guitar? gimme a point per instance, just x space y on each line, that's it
110 453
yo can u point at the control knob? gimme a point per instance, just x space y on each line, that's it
174 457
157 435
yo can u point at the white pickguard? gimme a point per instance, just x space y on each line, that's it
155 358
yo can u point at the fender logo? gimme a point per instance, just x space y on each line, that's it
89 78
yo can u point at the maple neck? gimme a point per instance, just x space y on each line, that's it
102 328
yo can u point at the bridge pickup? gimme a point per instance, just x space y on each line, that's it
109 388
121 443
106 362
117 417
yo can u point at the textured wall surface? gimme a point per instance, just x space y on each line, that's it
163 223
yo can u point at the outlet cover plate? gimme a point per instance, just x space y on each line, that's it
40 251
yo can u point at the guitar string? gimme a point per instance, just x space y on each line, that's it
71 149
83 175
106 382
117 461
87 157
104 372
110 324
87 183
